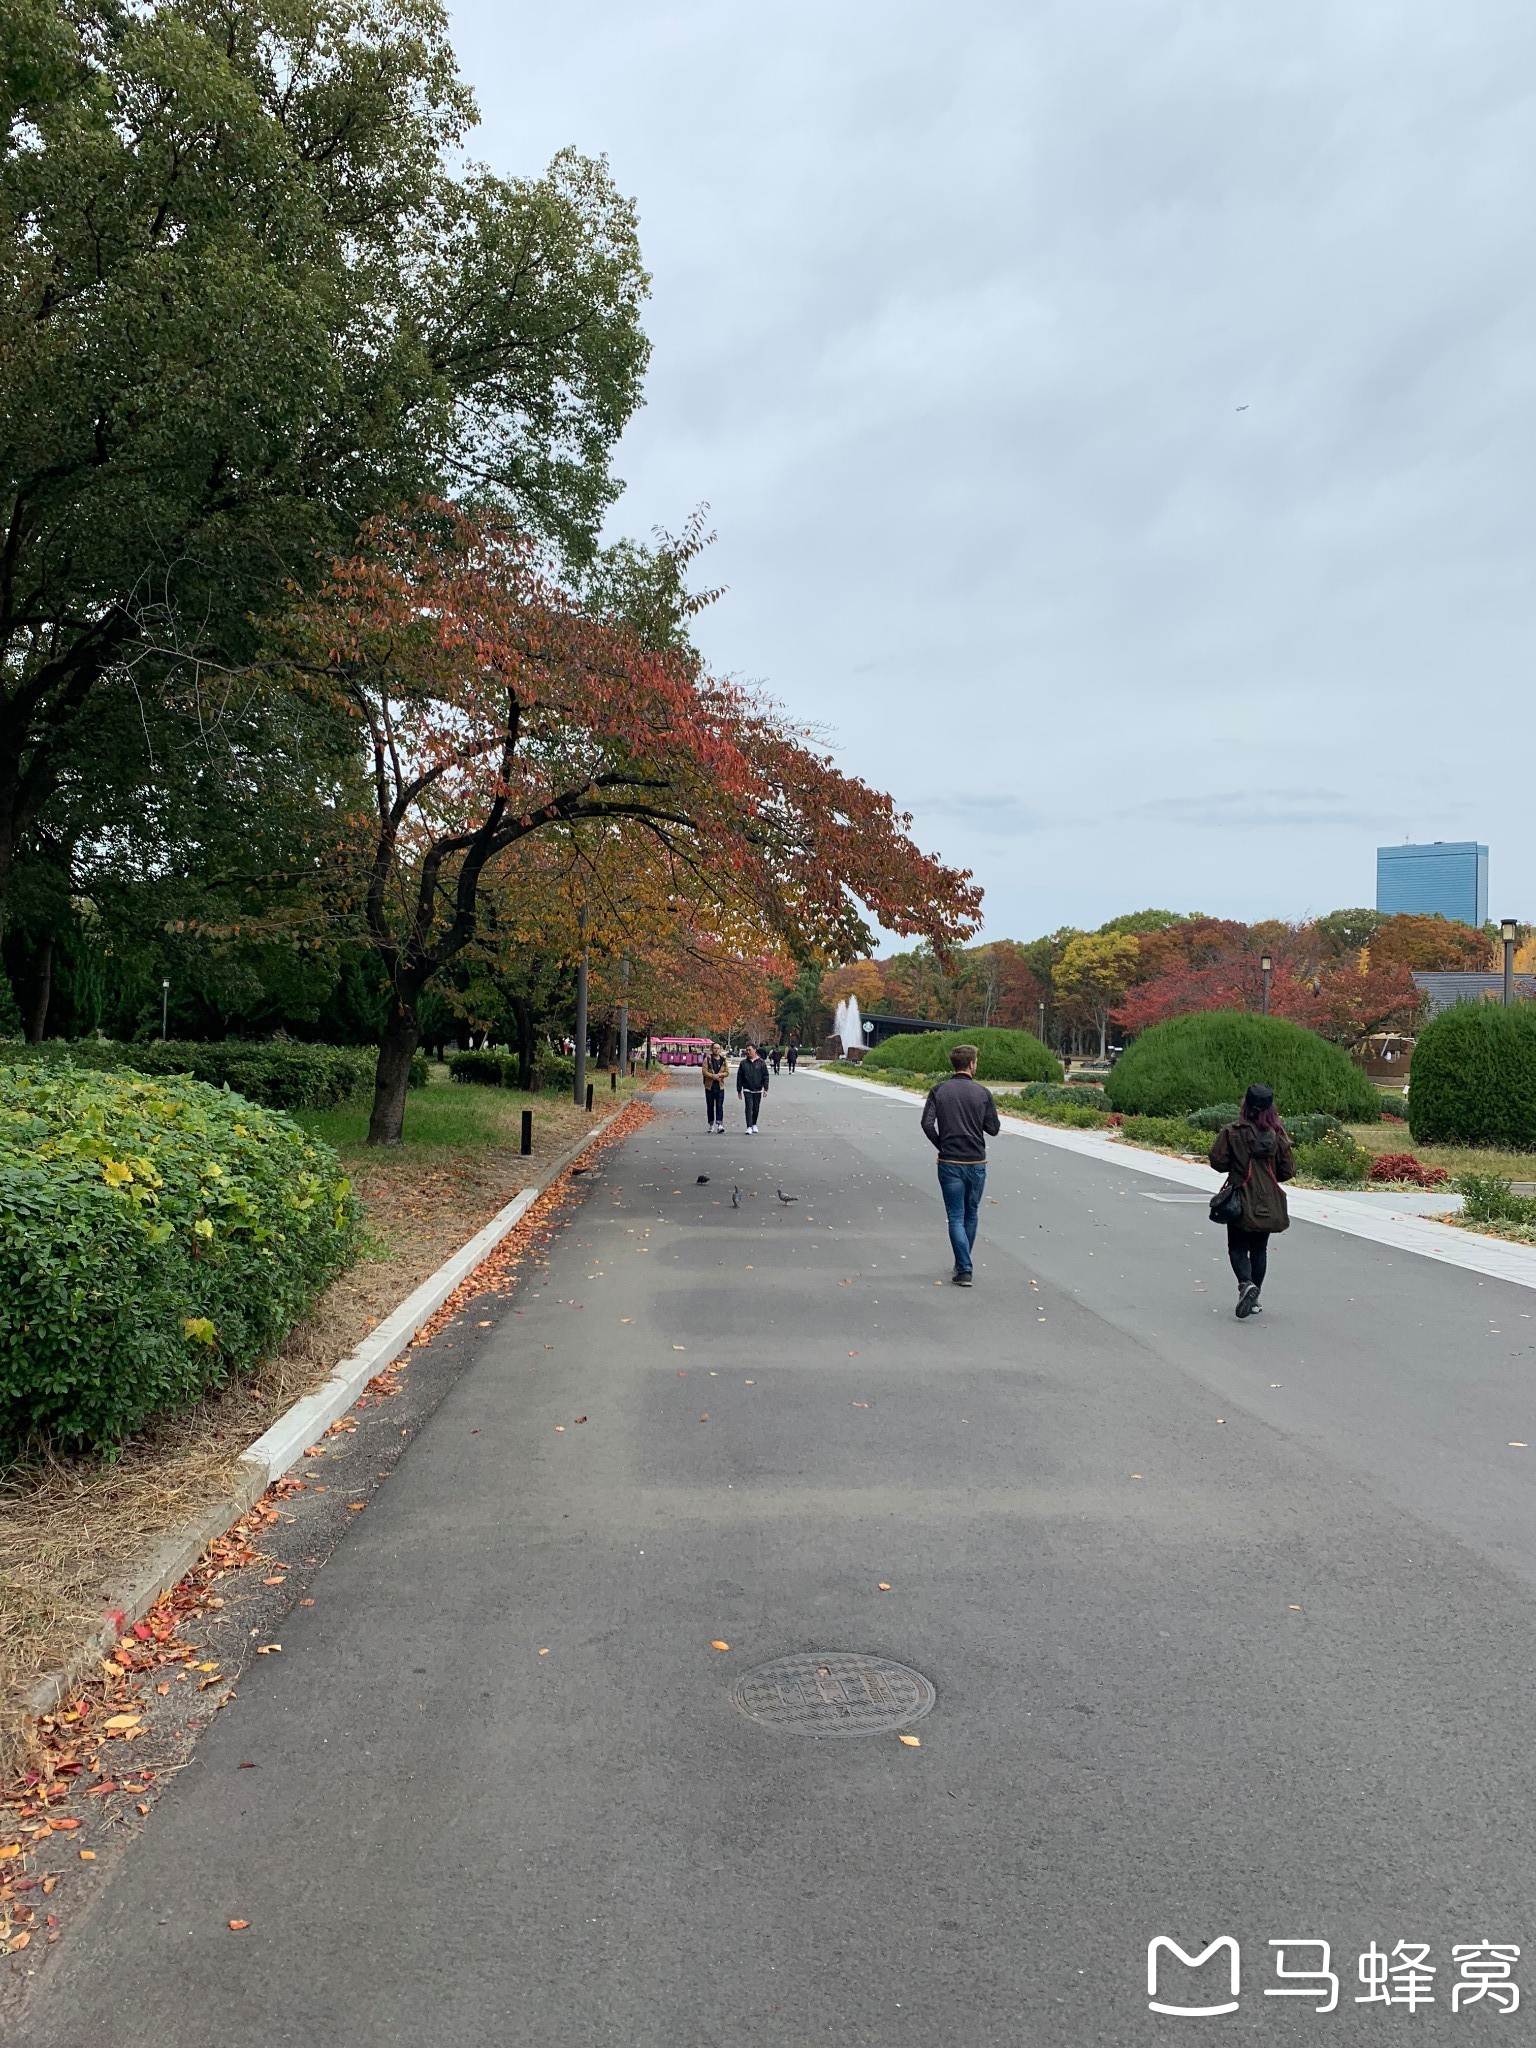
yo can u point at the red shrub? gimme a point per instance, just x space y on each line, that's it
1401 1166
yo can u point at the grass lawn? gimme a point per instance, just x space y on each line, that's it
1384 1137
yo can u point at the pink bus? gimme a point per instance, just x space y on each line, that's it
679 1052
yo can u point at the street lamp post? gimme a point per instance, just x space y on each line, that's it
1507 932
1042 1023
579 1088
624 1018
165 1008
1265 966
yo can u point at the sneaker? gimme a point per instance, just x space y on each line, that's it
1257 1309
960 1279
1245 1301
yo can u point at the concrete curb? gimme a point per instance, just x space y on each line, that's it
1493 1257
279 1448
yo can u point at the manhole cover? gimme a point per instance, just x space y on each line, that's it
835 1692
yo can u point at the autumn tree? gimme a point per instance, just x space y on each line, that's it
861 979
1093 974
491 706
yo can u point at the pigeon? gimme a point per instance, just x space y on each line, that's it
735 1198
702 1180
785 1198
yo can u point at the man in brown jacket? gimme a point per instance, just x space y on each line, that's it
1255 1154
716 1070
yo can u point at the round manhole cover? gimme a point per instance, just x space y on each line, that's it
834 1692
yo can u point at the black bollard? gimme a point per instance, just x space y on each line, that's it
613 1080
589 1098
527 1145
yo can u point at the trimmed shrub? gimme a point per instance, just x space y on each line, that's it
1001 1055
485 1069
157 1237
1489 1198
1394 1106
1308 1129
277 1073
1213 1056
1337 1159
1474 1077
1216 1116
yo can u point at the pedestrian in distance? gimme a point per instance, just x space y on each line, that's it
793 1054
1255 1154
716 1071
958 1118
776 1055
752 1085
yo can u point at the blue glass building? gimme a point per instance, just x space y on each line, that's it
1448 878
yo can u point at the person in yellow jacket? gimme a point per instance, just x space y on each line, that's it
716 1072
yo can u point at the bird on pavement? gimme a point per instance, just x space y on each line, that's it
785 1198
702 1180
735 1198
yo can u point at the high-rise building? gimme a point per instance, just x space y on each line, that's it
1448 878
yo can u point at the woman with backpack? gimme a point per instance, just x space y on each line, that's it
1255 1154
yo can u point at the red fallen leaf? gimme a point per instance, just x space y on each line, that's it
143 1631
99 1791
66 1825
238 1926
581 1418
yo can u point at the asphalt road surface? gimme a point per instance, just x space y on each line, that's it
1229 1626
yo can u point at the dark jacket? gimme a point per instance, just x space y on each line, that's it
1256 1162
752 1077
958 1118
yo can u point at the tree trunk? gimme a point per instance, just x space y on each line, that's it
1103 1034
522 1010
392 1075
40 993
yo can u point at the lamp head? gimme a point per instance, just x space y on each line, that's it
1508 930
1265 962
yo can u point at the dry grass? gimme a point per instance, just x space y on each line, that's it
74 1530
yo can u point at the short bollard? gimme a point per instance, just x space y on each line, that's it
613 1080
527 1144
589 1098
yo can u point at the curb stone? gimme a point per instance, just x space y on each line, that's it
282 1446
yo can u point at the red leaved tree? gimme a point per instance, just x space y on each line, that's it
492 707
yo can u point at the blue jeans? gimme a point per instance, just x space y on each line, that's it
961 1188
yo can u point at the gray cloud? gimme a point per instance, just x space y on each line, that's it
954 311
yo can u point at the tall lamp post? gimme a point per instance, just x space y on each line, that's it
1042 1023
624 1018
1507 932
579 1089
1266 965
165 1006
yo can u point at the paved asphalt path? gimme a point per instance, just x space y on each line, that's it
1230 1625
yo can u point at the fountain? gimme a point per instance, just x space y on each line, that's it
848 1029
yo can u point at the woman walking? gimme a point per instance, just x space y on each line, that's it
1255 1155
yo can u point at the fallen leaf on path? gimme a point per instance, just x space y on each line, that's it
238 1926
268 1649
543 1653
581 1418
909 1741
883 1587
626 1319
749 1383
122 1721
20 1941
306 1603
274 1582
857 1404
719 1646
705 1416
485 1325
1519 1447
559 1429
1295 1609
355 1507
87 1855
11 1849
679 1347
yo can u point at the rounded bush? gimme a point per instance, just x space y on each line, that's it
157 1236
277 1073
1474 1077
1001 1055
1213 1056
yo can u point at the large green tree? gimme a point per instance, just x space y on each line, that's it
248 301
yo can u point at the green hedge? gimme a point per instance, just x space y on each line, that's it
278 1074
1070 1092
157 1236
1168 1133
1474 1077
1001 1055
491 1069
1080 1116
1213 1056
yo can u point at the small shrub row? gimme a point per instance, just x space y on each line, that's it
1077 1092
1474 1077
1336 1159
1001 1055
489 1068
1167 1133
1213 1056
1489 1198
157 1237
1079 1116
278 1074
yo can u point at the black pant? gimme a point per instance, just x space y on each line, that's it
751 1102
714 1101
1249 1252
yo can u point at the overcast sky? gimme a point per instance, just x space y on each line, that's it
955 314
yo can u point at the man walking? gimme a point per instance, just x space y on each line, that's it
958 1118
716 1071
752 1085
793 1054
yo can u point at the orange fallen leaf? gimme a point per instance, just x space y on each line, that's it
543 1653
19 1941
206 1667
306 1603
274 1582
122 1720
238 1926
163 1687
48 1886
910 1741
884 1586
87 1855
268 1649
719 1646
11 1849
355 1507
